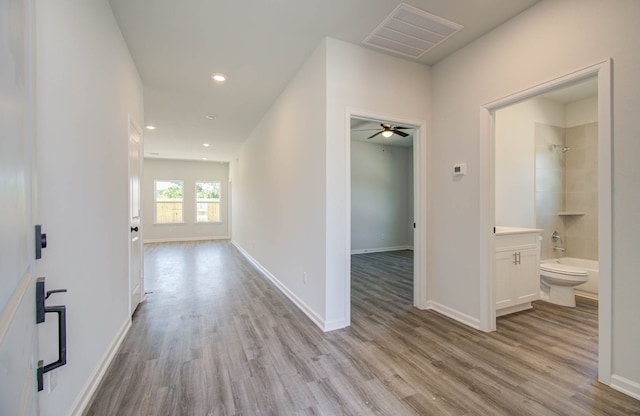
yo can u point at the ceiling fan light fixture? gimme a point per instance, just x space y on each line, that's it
387 133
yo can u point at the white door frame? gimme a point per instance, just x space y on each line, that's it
135 128
487 191
419 204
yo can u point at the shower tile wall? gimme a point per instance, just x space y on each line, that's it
567 182
581 191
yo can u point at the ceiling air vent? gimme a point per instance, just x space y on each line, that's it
411 32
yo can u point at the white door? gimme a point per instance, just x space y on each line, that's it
135 248
18 335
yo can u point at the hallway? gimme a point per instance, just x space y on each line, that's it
216 338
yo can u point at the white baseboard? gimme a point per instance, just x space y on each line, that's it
335 325
183 239
82 401
626 386
311 314
454 314
381 249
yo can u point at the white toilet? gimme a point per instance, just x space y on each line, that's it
557 282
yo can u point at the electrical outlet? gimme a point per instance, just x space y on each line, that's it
304 277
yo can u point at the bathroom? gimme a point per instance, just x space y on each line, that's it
546 177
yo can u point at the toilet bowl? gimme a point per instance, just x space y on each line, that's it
557 282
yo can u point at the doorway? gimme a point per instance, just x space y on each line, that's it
601 74
136 250
383 217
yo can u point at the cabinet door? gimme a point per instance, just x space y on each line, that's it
503 281
527 276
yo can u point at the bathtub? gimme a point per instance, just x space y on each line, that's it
589 289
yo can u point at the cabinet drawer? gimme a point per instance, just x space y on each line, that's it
511 241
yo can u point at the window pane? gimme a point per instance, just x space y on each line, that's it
208 191
208 212
168 212
169 190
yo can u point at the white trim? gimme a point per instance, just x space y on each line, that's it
453 314
380 249
86 394
182 239
605 322
10 310
420 145
626 386
315 318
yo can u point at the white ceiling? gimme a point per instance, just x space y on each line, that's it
259 45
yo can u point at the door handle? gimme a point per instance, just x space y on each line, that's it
134 229
41 310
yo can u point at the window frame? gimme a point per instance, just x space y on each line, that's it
219 201
155 202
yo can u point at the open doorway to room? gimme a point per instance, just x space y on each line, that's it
382 215
550 198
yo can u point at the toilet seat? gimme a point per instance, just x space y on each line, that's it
564 272
563 268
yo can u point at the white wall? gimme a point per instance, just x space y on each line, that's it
359 79
189 172
581 112
380 197
279 189
86 86
516 56
515 158
290 180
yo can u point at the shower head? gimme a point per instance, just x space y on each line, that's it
563 149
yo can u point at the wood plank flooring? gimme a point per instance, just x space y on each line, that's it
216 338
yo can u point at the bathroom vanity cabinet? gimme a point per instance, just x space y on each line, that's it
517 268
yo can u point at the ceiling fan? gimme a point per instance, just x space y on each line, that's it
388 130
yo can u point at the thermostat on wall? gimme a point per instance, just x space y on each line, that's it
460 169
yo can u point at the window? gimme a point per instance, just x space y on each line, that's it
169 196
207 201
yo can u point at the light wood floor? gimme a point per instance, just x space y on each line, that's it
217 338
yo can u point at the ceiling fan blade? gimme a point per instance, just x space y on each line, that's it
374 135
402 128
400 133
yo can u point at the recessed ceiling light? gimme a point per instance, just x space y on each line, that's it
150 127
219 77
206 144
211 116
204 158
